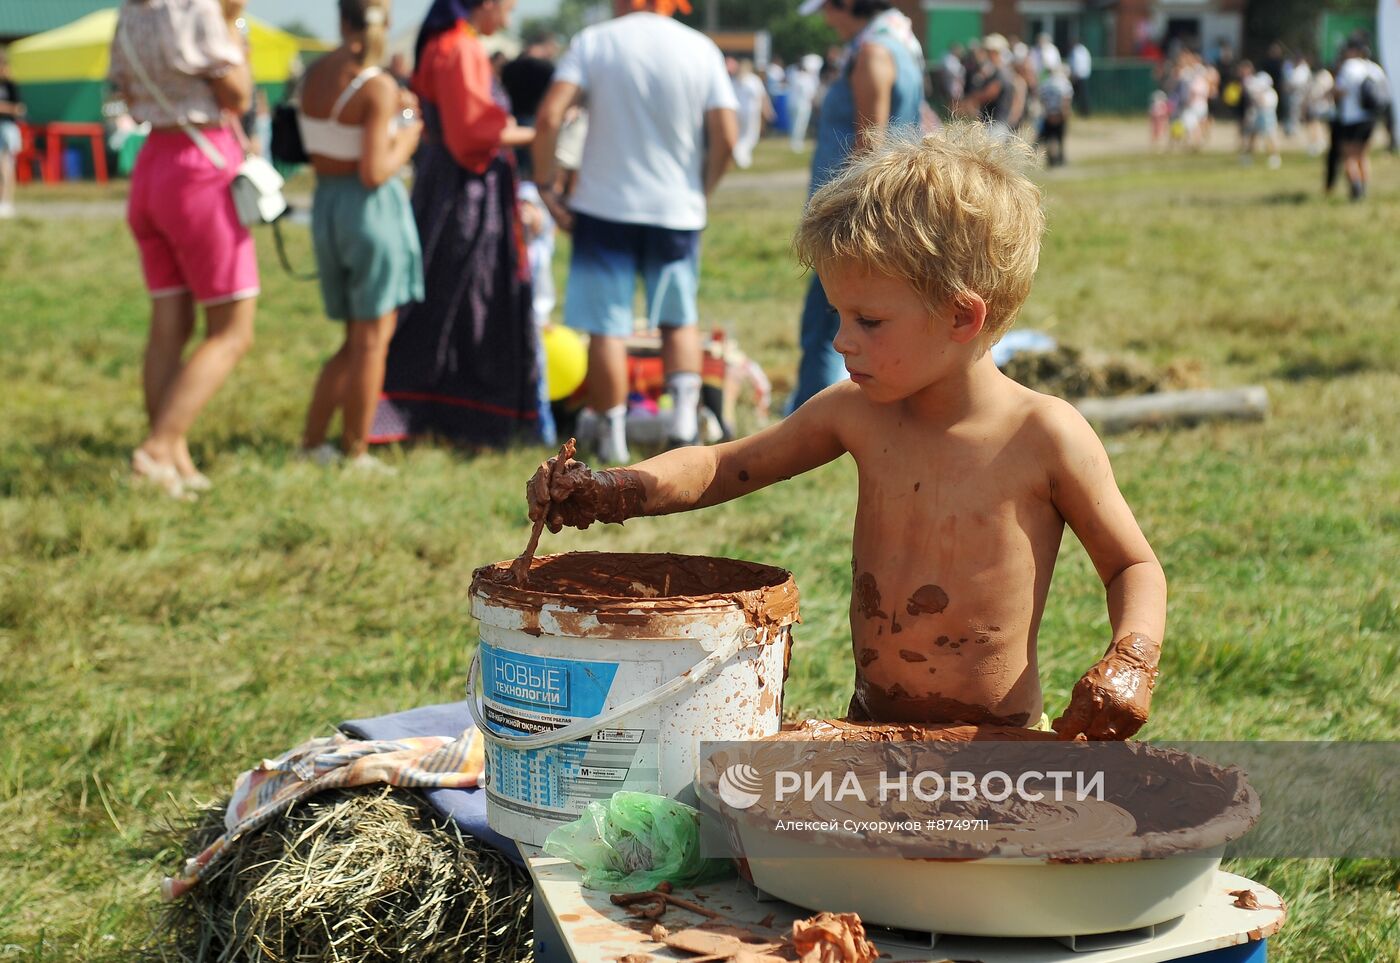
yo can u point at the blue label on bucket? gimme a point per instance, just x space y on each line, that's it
528 694
563 686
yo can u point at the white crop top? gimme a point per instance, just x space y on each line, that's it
329 137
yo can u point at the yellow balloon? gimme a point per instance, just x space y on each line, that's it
565 361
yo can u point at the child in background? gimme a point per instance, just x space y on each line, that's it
11 142
926 249
1195 100
1159 116
538 229
1318 110
1056 93
1261 123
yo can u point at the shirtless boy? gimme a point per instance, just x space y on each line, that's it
926 249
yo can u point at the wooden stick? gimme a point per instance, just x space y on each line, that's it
520 568
1175 408
663 899
696 908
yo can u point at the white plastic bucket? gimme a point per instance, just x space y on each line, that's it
606 672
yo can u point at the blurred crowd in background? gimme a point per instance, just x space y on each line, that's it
620 137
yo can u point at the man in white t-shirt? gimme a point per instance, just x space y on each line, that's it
1359 82
1081 65
803 80
1045 56
661 132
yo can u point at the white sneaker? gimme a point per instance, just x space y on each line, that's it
324 454
369 465
586 429
603 451
711 431
7 211
1275 162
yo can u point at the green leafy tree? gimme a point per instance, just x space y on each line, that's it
793 35
570 17
298 28
1292 22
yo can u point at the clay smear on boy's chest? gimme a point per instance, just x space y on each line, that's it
927 599
867 596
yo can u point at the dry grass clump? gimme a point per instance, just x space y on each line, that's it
357 875
1071 373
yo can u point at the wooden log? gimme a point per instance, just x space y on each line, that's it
1172 408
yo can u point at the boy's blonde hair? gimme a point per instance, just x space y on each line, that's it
949 213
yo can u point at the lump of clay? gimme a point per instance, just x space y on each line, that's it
832 938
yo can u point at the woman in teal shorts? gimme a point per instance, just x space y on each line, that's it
359 129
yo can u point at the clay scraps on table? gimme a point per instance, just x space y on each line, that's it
1248 899
1245 899
717 942
824 938
651 904
832 938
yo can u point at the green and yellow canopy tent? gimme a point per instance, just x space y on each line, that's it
62 73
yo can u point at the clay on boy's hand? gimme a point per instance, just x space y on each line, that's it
577 496
1112 700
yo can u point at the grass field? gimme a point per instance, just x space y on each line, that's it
150 650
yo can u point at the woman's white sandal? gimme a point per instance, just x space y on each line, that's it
147 471
198 482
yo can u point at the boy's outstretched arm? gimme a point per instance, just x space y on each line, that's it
1111 701
693 477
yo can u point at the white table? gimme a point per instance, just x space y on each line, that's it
583 926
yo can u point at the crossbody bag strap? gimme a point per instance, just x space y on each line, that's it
241 135
195 134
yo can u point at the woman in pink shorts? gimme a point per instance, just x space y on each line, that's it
181 67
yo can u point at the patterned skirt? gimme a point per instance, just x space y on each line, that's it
464 363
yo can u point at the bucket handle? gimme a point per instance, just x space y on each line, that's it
586 727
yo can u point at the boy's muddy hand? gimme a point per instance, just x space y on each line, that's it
577 496
554 496
1111 701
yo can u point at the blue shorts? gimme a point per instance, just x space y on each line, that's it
608 256
11 141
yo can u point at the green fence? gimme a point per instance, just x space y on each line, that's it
73 100
1121 85
945 26
1333 28
80 101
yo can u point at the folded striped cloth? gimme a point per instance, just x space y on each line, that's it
398 757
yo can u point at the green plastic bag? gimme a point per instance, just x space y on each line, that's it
633 841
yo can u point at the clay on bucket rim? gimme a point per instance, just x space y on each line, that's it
696 586
1238 811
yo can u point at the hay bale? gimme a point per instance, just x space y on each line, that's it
354 875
